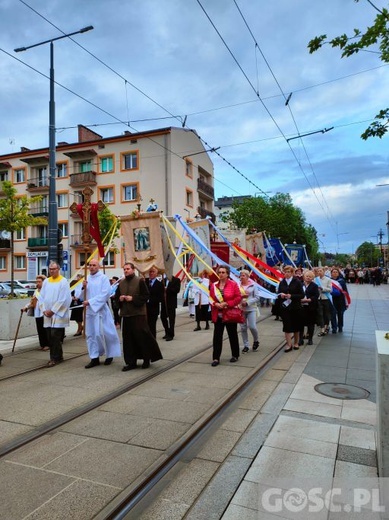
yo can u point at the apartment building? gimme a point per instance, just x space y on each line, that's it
169 165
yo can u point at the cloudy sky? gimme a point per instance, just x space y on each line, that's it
227 66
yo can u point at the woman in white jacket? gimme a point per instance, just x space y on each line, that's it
201 300
249 304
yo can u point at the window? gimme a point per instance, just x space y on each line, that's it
20 262
3 176
42 231
85 166
189 198
62 200
130 192
106 164
20 234
62 170
63 226
41 174
81 259
188 168
19 175
130 161
109 259
107 195
3 263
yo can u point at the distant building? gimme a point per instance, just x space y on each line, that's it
169 165
223 206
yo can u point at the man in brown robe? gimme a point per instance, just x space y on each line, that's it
138 342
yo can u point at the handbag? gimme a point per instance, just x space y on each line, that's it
233 315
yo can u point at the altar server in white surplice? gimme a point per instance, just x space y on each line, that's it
54 302
100 330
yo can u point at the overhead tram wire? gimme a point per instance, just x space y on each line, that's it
178 118
264 106
292 116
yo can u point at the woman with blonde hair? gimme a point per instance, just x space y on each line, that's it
249 305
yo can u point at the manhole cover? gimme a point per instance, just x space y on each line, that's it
342 391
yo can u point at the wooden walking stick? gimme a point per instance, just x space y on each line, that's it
17 331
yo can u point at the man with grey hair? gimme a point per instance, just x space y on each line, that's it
54 302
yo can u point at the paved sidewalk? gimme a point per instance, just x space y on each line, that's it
316 438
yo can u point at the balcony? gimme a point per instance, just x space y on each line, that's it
5 244
37 242
38 184
39 210
76 242
204 213
206 189
83 179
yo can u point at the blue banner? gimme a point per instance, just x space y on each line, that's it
273 249
296 253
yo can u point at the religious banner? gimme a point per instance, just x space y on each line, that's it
254 245
235 237
296 255
201 228
143 241
222 250
273 249
168 239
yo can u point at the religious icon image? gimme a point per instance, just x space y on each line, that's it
142 239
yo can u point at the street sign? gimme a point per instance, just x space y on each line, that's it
65 255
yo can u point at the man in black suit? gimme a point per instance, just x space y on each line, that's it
168 308
155 300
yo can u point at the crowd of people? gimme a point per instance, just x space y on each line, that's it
305 299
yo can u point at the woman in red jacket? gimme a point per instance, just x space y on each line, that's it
224 294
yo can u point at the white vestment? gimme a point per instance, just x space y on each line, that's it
55 296
100 330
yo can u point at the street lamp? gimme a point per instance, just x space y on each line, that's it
53 214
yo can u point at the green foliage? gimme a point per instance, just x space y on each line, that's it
368 254
14 210
375 34
278 217
106 221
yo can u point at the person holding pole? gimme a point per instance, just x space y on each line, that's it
99 327
54 303
37 313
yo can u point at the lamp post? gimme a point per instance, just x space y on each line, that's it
53 214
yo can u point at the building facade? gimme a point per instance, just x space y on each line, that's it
169 166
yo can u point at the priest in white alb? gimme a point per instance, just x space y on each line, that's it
100 330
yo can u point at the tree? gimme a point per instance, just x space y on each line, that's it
375 34
15 216
106 222
368 254
278 217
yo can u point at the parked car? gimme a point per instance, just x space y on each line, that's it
30 286
5 290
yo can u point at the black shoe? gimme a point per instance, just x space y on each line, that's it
1 358
169 338
164 337
215 363
245 349
301 342
310 342
340 329
233 360
196 329
108 361
126 368
333 331
93 363
207 326
255 345
146 364
277 319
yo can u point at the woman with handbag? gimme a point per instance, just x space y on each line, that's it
290 293
225 297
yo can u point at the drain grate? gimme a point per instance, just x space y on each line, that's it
342 391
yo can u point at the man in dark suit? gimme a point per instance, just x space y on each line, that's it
155 300
168 308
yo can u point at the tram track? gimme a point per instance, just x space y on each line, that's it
131 496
